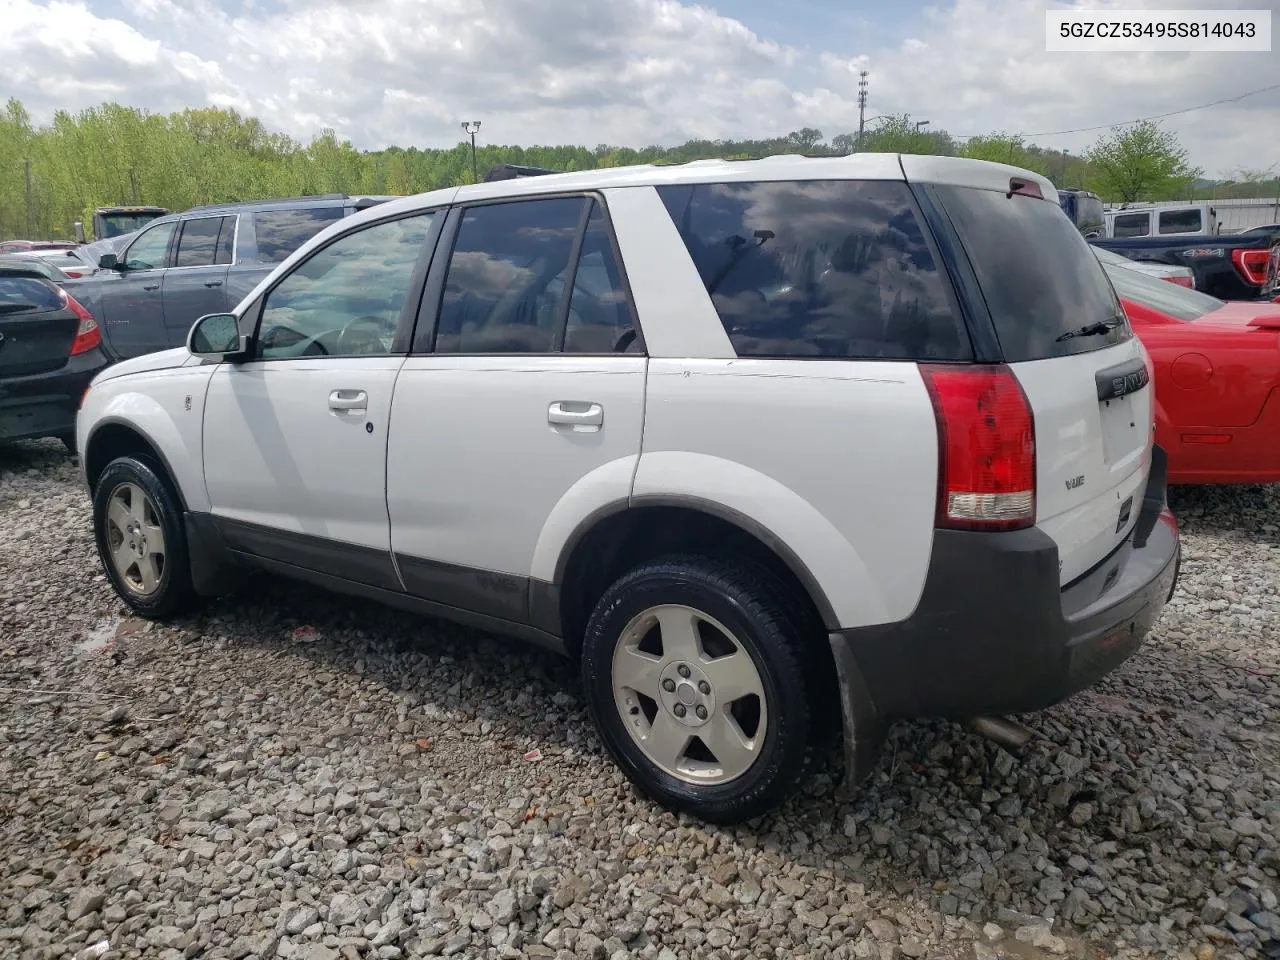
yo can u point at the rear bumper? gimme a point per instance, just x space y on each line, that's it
45 404
994 633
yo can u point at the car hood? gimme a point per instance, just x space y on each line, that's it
148 362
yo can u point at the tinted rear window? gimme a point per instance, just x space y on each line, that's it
1131 225
1168 298
1038 275
1180 221
27 295
280 232
838 269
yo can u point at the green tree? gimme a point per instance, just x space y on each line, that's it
898 133
1141 162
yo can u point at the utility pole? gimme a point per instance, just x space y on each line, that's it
31 206
862 106
472 127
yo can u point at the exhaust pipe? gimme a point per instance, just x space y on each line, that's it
1008 733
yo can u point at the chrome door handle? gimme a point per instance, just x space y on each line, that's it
348 400
578 413
151 286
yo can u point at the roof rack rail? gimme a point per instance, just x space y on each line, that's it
247 203
510 171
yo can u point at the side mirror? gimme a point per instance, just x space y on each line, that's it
216 336
108 261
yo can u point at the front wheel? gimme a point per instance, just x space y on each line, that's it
141 540
698 684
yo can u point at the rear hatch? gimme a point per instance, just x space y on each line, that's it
37 328
1062 331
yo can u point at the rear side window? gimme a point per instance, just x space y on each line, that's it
506 276
27 295
826 269
1180 221
1039 277
1131 225
200 242
280 232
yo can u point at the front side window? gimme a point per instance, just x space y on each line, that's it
280 232
1180 221
1131 225
150 250
346 300
506 276
826 269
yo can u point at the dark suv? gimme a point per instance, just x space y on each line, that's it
203 260
50 348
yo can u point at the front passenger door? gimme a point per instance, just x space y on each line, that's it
134 304
295 438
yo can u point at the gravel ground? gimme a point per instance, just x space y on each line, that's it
298 775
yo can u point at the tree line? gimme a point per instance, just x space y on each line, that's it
56 174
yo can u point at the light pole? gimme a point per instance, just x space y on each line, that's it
472 127
921 123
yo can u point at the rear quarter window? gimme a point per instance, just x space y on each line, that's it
1131 225
823 269
28 295
1180 221
1039 278
280 232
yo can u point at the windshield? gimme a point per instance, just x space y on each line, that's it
1168 298
115 224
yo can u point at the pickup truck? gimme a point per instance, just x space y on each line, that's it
1239 267
148 292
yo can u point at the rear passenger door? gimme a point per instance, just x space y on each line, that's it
196 284
525 387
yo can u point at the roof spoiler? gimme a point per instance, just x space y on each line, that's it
510 171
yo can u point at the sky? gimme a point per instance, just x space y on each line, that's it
632 72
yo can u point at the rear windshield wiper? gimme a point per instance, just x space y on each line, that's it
1099 329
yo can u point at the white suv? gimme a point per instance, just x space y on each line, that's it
768 447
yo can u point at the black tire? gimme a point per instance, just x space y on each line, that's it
174 593
752 607
69 441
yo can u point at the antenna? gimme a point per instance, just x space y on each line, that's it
862 106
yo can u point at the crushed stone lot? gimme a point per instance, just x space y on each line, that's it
294 774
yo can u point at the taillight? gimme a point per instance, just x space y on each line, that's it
1187 282
1252 265
88 335
986 448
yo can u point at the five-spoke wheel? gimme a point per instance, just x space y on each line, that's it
138 526
135 539
699 683
692 699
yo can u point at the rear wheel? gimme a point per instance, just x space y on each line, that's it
696 678
141 538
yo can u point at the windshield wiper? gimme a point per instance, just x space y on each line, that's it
1099 329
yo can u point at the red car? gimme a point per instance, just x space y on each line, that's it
1217 375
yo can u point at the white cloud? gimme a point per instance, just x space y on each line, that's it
618 71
